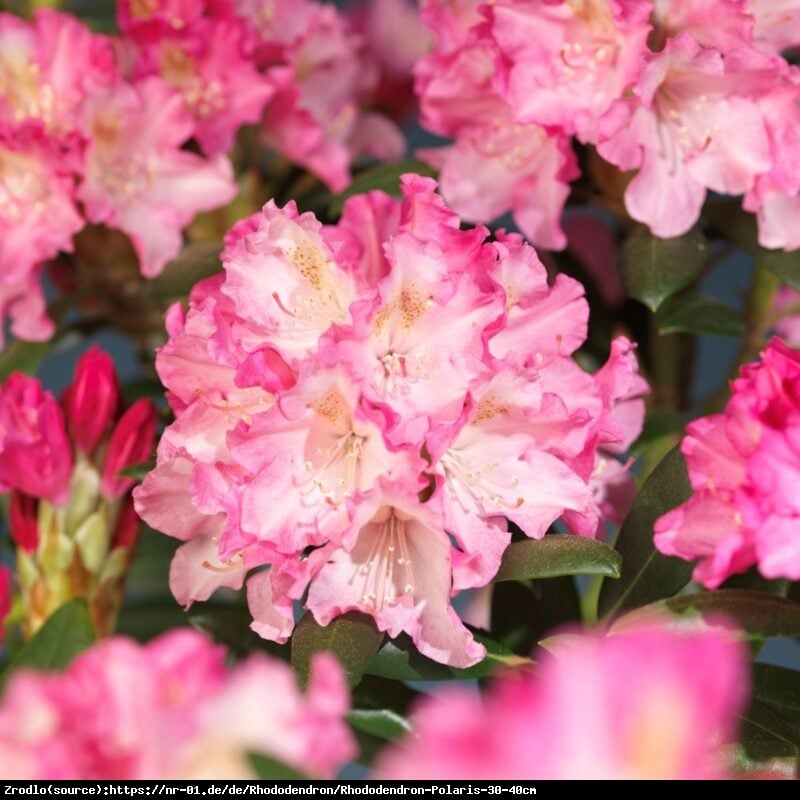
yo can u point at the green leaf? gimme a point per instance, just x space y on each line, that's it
352 638
65 634
524 611
558 555
267 768
383 723
197 260
22 356
785 265
697 313
777 686
231 627
138 471
765 734
385 177
761 616
399 660
654 269
647 575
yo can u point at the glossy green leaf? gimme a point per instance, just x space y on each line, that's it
398 659
385 177
197 260
785 265
759 615
558 555
270 769
138 471
66 633
382 723
777 686
697 313
231 627
766 734
19 356
647 575
654 269
352 638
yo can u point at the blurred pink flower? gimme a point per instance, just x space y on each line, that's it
649 703
188 717
6 598
743 466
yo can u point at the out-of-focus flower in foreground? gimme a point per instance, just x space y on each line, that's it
170 710
649 703
70 511
744 465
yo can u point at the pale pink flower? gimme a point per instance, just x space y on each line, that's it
138 180
38 218
777 24
650 703
721 24
787 301
49 67
496 164
742 465
678 135
188 718
569 61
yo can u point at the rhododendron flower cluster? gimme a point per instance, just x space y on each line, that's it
70 512
651 703
170 710
96 129
363 406
743 465
652 85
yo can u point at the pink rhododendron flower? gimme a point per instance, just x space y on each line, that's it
777 23
787 300
188 718
138 179
650 703
361 407
496 164
679 138
742 466
209 60
721 24
569 61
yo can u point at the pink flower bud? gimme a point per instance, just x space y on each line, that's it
127 531
35 453
91 402
131 442
22 514
5 598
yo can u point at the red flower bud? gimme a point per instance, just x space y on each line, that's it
91 402
127 530
35 453
131 443
23 520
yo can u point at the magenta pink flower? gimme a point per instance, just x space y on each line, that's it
742 464
649 703
188 718
35 453
131 443
92 400
348 398
23 521
208 59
